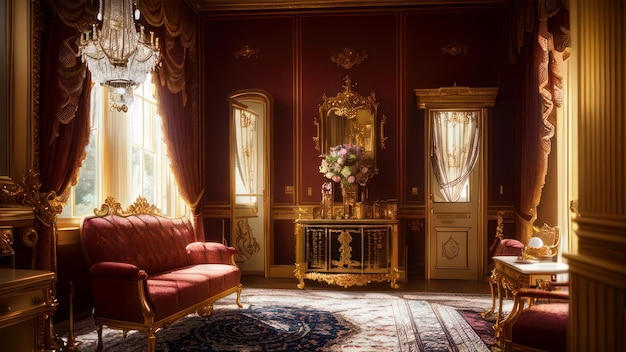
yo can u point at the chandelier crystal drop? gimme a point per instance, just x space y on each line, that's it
117 55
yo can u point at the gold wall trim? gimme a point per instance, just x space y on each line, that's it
293 212
216 211
290 212
456 96
201 6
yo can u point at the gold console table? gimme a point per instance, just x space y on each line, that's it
347 252
26 308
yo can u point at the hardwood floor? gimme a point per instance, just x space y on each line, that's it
416 284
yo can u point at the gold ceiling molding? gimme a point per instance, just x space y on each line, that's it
348 57
454 48
204 6
246 52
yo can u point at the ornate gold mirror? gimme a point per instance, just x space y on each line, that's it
348 118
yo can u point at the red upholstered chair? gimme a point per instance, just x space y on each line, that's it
501 247
504 246
538 321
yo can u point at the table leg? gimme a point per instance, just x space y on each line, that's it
500 288
492 288
505 285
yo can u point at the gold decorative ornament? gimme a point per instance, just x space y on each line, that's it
6 240
29 236
113 207
450 248
205 310
348 118
416 225
454 48
349 103
347 280
452 96
348 57
246 52
345 249
46 205
547 247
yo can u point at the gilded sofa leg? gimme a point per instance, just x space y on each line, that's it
99 347
239 288
205 310
151 341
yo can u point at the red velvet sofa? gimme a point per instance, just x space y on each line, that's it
148 271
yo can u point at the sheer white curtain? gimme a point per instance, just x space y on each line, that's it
456 143
117 161
245 136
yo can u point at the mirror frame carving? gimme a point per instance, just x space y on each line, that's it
347 104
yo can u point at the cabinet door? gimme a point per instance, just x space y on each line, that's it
376 249
316 248
346 249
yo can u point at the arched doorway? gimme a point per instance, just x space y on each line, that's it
250 115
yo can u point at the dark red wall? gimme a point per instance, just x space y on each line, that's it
273 71
404 48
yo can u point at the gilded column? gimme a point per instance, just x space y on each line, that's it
598 270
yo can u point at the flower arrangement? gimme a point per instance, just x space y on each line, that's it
348 164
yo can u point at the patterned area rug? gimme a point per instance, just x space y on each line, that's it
319 320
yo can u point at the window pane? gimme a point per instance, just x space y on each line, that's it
149 177
136 168
150 130
148 171
137 122
85 191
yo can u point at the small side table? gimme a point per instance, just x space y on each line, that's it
510 274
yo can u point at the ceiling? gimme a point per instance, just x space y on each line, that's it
208 6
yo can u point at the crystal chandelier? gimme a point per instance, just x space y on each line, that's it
118 55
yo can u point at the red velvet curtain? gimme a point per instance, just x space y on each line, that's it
540 33
64 110
177 75
63 123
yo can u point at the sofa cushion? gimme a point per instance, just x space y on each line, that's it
509 247
152 243
172 291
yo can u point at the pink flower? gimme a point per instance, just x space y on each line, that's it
348 164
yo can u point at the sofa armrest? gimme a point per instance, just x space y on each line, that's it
117 271
210 253
119 292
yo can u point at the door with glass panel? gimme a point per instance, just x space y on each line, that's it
456 144
250 180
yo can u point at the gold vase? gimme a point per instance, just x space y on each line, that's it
349 193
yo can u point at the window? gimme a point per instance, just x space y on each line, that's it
126 158
246 139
